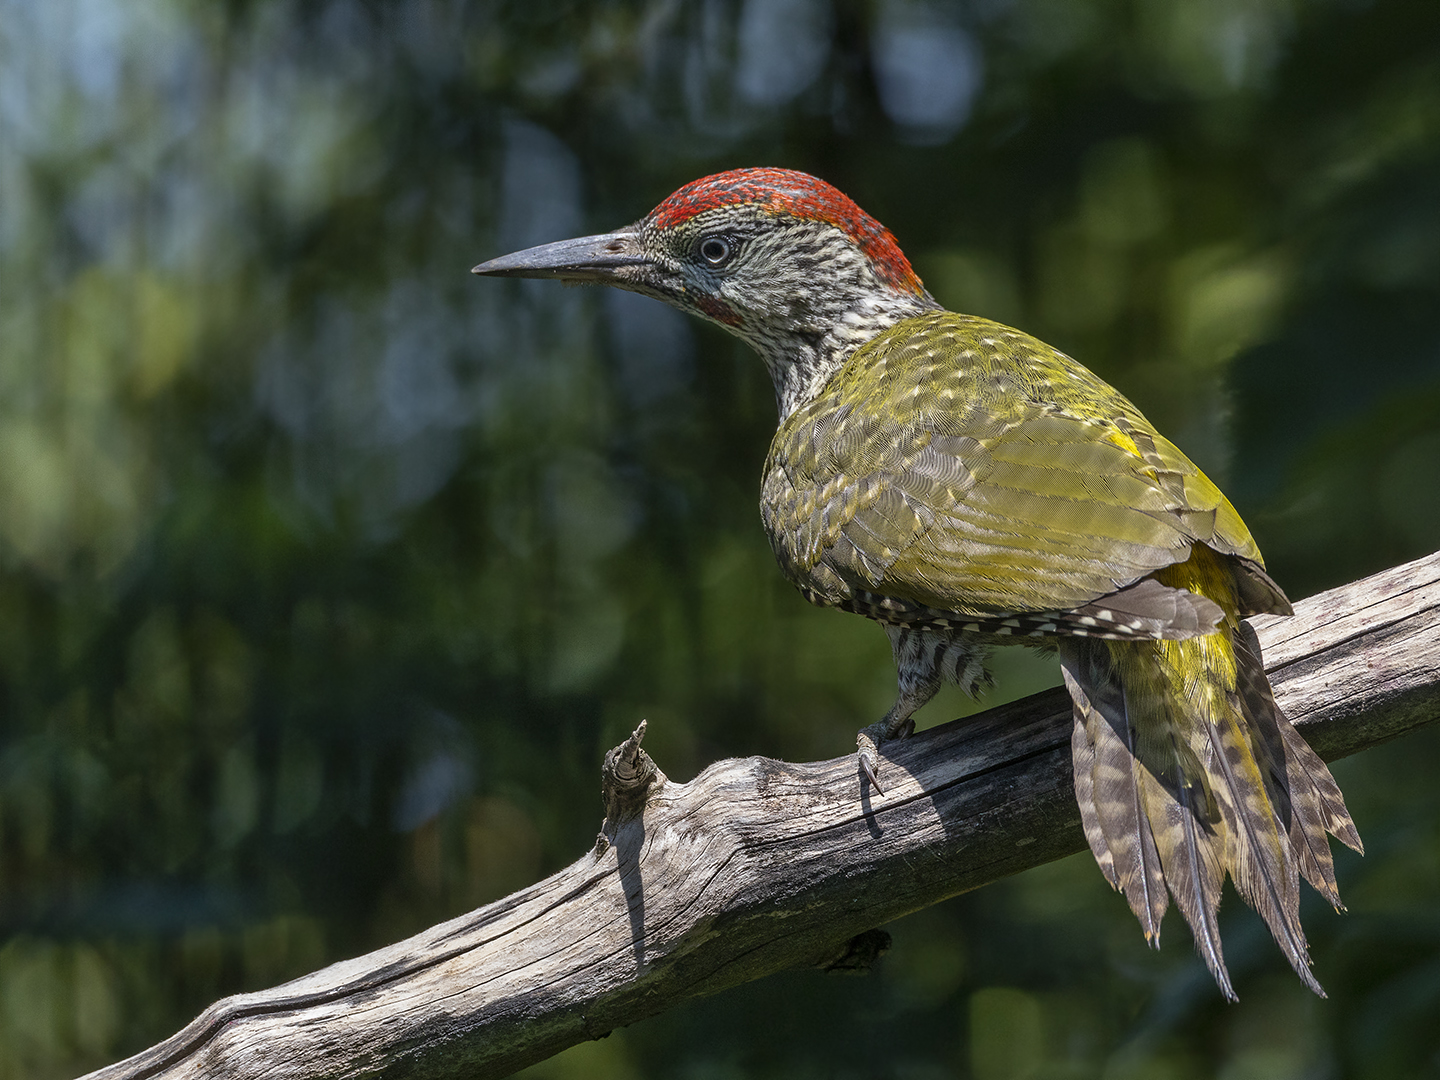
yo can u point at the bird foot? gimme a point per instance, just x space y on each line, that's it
869 739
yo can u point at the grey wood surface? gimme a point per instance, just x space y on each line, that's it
759 865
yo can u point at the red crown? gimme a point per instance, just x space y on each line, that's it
800 195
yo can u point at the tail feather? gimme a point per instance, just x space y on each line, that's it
1195 871
1082 756
1263 866
1142 816
1317 798
1302 760
1185 770
1299 804
1108 788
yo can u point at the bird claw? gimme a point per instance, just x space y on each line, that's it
868 740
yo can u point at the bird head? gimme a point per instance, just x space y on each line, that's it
778 257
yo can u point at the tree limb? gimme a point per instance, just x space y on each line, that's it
759 865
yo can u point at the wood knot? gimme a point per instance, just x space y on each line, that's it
628 779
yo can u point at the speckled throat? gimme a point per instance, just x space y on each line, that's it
801 363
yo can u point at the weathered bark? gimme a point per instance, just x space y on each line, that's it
759 865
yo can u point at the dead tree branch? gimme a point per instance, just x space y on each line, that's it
758 865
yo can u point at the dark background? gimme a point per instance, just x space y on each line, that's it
328 572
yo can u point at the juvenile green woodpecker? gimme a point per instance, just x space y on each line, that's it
966 486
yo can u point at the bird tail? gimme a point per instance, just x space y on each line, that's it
1186 770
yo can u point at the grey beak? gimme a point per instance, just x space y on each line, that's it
588 258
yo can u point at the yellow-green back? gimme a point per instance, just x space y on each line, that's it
962 465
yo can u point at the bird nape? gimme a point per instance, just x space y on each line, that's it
965 485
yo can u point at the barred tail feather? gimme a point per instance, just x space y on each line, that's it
1082 756
1299 803
1263 865
1108 781
1185 770
1304 762
1195 871
1139 807
1319 805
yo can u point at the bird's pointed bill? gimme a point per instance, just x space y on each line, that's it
587 258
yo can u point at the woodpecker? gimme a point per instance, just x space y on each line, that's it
966 485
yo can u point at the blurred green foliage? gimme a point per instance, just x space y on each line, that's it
327 573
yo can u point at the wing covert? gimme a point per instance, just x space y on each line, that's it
987 473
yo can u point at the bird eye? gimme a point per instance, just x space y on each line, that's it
716 250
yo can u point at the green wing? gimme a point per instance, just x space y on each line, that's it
969 468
